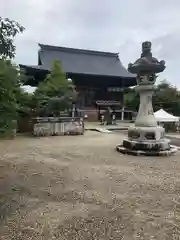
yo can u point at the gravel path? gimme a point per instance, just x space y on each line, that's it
81 188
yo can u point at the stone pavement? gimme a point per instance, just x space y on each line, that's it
96 126
173 135
120 126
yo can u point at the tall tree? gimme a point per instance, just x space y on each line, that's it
10 76
9 86
55 83
55 89
131 100
8 31
165 96
25 103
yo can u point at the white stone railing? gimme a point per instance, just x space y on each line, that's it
53 126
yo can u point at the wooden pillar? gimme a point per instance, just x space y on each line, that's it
122 114
99 112
122 100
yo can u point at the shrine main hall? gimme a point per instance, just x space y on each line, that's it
99 77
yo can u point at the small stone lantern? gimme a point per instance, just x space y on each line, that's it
74 95
146 137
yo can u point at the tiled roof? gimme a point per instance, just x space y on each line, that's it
83 61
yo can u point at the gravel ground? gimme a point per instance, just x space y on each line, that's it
79 187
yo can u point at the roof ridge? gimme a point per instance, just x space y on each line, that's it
78 50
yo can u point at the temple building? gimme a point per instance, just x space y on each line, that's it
99 77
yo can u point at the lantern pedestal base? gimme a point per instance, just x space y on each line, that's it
149 148
147 141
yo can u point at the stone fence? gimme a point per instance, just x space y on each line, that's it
57 126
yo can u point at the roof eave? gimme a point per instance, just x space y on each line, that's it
40 68
79 50
131 76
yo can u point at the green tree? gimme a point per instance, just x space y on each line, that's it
10 82
55 83
24 101
131 100
8 31
165 96
55 89
10 76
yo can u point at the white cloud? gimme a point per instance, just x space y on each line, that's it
118 26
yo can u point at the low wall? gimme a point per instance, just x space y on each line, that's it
51 126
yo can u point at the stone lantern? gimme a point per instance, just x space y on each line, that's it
74 96
146 137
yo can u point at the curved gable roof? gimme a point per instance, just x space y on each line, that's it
83 61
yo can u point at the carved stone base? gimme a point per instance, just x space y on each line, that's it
134 152
147 141
146 133
147 145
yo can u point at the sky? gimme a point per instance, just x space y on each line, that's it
115 26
